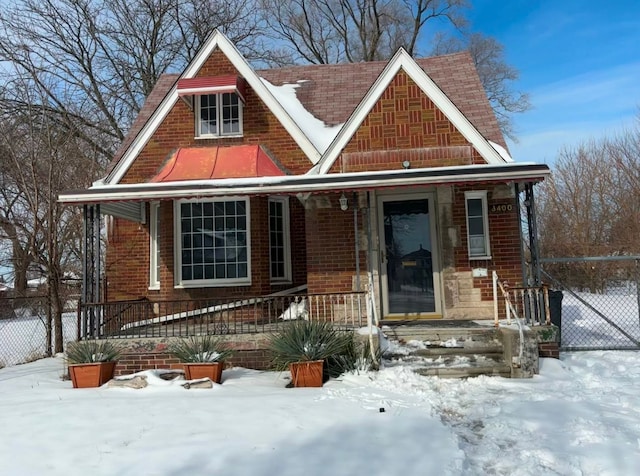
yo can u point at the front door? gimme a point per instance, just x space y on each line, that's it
409 261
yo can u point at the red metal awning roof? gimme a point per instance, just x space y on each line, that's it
212 85
204 163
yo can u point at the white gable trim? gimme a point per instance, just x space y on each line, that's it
219 40
402 60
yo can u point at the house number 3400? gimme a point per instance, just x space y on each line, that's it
504 207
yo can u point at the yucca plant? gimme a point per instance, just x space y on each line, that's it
91 351
200 349
356 357
305 341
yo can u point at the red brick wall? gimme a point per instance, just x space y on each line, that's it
549 349
132 362
404 118
128 257
128 250
503 240
331 262
323 240
149 354
260 126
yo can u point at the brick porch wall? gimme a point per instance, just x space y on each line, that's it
549 349
151 353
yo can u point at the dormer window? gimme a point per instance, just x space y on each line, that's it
217 104
218 115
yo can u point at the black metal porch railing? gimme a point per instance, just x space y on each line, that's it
180 318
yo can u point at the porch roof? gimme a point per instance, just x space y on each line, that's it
293 184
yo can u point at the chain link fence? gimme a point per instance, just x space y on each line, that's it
23 328
600 301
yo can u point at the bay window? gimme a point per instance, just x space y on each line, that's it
213 242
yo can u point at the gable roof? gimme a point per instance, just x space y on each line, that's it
453 76
215 40
454 73
403 61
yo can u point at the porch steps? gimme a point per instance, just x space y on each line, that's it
447 349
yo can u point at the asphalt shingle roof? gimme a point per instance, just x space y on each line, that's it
332 92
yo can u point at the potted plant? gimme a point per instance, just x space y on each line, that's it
202 356
303 346
91 362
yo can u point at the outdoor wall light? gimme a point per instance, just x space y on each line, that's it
344 203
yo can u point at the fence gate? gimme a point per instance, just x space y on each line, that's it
600 301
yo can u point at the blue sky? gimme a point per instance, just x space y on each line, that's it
578 59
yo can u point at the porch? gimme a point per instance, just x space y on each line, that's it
508 347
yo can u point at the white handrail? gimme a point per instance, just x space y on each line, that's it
496 319
510 309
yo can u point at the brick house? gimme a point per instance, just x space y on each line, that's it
384 184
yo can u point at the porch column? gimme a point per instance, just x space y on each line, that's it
91 270
533 233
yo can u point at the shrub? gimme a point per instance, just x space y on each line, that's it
303 341
90 351
356 357
201 349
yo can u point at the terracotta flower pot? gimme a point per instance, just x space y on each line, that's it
91 375
307 374
196 370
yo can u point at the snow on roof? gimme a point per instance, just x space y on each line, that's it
319 133
502 151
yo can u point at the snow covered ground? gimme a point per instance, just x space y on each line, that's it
580 416
23 339
584 327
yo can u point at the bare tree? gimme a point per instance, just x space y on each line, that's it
496 75
334 31
97 60
589 206
39 160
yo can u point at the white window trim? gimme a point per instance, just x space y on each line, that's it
154 278
482 195
177 248
286 228
199 135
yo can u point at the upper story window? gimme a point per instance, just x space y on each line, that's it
477 225
218 115
217 103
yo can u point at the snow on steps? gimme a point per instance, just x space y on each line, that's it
448 349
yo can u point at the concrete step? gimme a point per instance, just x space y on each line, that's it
438 335
448 349
489 351
465 372
447 360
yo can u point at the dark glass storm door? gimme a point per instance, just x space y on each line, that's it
409 257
